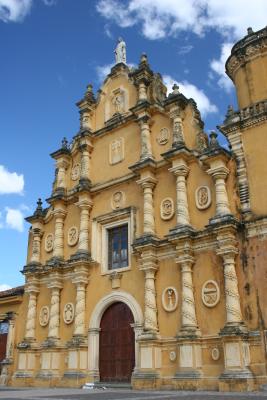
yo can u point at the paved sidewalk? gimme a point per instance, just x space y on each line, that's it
120 394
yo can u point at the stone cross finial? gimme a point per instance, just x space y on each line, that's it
175 89
120 52
250 31
39 208
143 59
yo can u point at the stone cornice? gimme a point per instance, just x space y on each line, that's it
245 118
250 46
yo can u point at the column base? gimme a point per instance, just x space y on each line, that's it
189 333
218 219
146 380
149 335
81 255
240 380
50 342
234 329
77 341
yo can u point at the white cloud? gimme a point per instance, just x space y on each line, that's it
10 182
218 66
4 286
167 18
14 219
14 10
185 49
103 71
49 2
191 91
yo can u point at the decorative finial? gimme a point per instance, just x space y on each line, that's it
175 89
143 58
250 31
64 143
120 52
89 89
214 144
230 111
39 208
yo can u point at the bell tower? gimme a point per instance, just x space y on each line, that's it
246 128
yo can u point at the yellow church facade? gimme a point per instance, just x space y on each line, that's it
149 265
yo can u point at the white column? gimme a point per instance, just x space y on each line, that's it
59 215
232 298
36 245
182 211
32 291
149 266
10 339
148 185
85 162
189 320
85 205
178 133
54 321
79 321
146 148
222 203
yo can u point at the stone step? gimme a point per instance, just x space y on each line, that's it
112 385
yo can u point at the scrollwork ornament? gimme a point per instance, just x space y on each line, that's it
49 242
163 136
117 200
169 299
73 236
172 356
166 208
215 353
210 293
75 172
68 313
44 316
203 197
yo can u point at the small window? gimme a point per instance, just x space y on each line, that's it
118 247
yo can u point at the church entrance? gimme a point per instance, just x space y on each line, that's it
116 344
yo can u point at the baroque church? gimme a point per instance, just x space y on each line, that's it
149 265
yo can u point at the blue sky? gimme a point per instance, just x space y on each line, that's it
50 51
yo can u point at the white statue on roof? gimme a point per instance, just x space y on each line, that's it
120 52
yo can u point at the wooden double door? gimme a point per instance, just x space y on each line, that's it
117 344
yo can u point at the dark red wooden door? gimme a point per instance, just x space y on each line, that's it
3 340
116 346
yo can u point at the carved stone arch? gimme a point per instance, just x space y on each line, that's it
94 328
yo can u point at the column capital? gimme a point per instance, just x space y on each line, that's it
59 212
32 288
175 111
85 201
63 162
180 170
219 172
80 275
54 281
148 181
148 261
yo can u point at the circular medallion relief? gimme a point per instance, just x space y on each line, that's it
172 355
210 293
169 299
117 200
163 136
75 172
68 313
73 236
49 242
203 197
166 208
215 353
44 316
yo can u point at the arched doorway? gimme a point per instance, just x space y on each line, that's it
116 344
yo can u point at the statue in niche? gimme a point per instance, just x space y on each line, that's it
116 151
163 136
120 51
177 133
118 102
